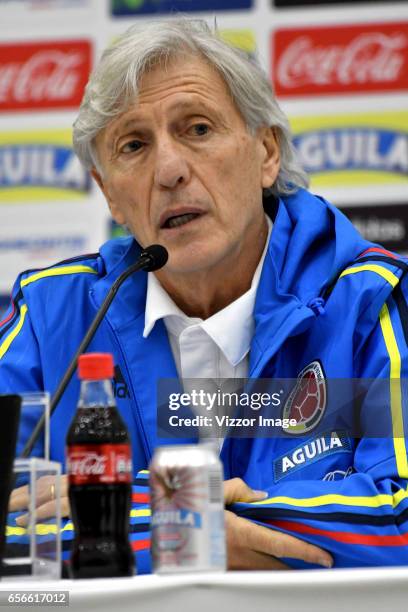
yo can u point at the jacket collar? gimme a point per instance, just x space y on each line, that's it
311 243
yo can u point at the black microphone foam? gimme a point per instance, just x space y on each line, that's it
157 257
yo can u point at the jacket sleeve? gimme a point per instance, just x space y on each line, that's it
20 362
18 538
361 520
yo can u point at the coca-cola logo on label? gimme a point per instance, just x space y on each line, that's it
107 463
87 464
341 59
43 75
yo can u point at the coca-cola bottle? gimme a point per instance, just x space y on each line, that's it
99 475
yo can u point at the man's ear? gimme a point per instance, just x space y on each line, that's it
271 161
98 179
115 212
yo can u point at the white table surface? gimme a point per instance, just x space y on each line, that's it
356 590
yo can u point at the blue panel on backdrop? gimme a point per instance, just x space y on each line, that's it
140 7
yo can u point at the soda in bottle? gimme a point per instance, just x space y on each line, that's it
99 476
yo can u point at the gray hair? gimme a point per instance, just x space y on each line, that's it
113 86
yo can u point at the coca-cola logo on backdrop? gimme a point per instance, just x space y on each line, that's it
43 75
340 59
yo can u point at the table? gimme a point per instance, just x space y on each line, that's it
357 590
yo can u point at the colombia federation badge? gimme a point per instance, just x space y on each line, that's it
306 402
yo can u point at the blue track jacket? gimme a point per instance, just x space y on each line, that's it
325 295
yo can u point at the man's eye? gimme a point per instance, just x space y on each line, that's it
131 146
200 129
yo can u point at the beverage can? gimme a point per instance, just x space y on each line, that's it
187 499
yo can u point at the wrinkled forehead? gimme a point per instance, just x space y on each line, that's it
164 61
183 68
178 84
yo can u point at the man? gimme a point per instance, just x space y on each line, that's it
184 138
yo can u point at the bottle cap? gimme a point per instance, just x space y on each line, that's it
95 366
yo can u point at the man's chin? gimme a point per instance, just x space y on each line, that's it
187 261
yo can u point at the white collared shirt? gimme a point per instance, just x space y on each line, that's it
214 348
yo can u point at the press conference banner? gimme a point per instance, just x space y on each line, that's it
339 69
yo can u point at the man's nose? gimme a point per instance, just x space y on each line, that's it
171 166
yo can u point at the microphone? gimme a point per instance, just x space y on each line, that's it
152 258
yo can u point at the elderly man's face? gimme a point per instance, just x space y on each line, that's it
180 168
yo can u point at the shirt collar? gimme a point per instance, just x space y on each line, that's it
159 305
238 314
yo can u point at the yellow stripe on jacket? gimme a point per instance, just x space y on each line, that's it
5 345
61 271
384 272
374 501
395 392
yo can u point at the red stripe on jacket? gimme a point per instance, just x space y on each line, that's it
9 317
345 537
141 498
140 544
378 250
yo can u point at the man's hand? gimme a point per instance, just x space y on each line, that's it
253 547
45 499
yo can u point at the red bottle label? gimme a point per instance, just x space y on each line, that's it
99 463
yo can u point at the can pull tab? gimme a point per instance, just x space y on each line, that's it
317 305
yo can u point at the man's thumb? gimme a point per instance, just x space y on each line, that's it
236 490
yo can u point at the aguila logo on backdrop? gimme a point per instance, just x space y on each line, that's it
342 59
43 75
40 165
353 149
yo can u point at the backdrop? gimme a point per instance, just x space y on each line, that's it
340 71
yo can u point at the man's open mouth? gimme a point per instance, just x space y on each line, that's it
179 220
